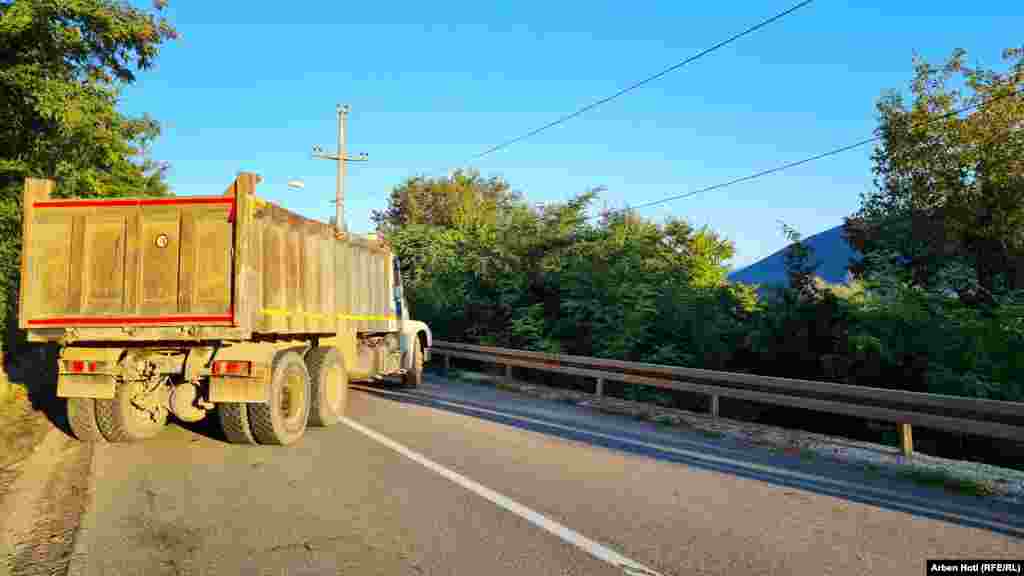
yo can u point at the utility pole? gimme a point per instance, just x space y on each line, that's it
341 158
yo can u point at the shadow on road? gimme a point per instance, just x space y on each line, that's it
36 372
208 427
724 455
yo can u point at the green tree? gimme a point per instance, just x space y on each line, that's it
800 266
63 64
464 198
947 212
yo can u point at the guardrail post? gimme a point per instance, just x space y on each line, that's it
714 405
508 373
906 439
447 363
599 389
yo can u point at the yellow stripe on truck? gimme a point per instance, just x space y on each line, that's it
365 317
282 312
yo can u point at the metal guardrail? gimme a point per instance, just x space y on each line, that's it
978 416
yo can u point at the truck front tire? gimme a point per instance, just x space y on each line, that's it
283 419
82 420
414 377
120 420
329 383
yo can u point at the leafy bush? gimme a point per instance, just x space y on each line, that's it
484 266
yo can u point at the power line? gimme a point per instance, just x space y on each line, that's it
788 165
636 85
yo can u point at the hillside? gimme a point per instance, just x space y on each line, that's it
829 248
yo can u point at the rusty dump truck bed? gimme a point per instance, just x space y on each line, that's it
229 267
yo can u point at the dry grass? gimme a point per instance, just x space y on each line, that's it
948 482
21 426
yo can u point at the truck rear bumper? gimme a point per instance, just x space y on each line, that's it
85 386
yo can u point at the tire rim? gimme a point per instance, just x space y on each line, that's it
332 377
293 396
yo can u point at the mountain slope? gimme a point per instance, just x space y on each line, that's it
829 248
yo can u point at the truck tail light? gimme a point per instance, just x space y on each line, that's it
232 368
84 366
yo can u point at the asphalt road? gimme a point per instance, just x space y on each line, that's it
458 479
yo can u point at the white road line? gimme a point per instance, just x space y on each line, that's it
630 567
902 499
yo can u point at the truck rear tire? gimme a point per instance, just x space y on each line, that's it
234 421
414 377
82 420
283 419
120 420
329 383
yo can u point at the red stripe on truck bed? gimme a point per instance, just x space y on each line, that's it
134 202
108 320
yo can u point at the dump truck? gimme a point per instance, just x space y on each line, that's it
186 305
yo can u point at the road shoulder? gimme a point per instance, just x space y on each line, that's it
22 428
44 501
876 461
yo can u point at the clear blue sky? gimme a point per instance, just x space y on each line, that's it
252 86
